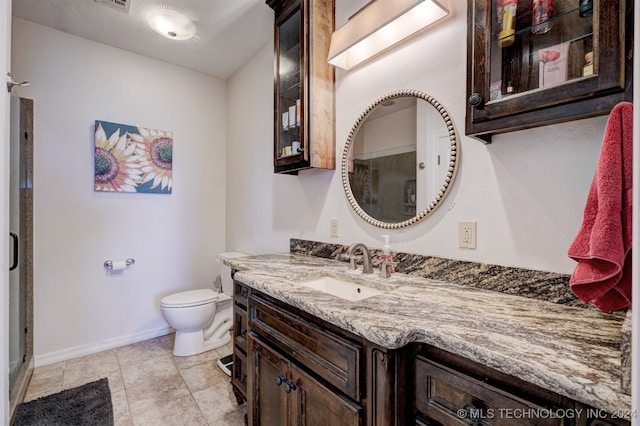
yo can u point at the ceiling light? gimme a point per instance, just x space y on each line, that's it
171 24
379 25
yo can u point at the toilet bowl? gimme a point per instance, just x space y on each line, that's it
202 318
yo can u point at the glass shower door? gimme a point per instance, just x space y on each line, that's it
17 288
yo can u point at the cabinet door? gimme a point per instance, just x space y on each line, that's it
521 74
283 394
332 357
290 143
314 404
268 375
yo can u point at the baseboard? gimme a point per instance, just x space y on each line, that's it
77 351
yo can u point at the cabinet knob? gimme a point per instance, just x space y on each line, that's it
242 377
281 379
290 386
243 332
476 100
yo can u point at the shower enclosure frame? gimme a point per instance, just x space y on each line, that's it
19 379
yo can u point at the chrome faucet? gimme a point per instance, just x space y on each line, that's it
366 254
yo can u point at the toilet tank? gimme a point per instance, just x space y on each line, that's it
225 271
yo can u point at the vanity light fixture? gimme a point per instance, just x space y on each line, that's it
379 25
171 23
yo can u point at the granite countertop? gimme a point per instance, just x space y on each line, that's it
574 352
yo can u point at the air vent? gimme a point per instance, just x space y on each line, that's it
121 5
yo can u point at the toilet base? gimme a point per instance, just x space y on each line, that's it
193 343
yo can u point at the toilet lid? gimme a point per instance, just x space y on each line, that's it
189 298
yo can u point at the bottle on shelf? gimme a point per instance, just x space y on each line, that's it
509 89
292 116
542 12
506 11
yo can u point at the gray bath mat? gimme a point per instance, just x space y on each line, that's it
86 405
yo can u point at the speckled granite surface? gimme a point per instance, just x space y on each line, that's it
571 351
540 285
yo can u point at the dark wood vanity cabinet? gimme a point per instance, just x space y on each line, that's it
304 371
304 111
580 67
293 368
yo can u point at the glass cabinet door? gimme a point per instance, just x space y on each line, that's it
537 44
537 62
290 136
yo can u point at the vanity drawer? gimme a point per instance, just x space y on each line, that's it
326 354
447 397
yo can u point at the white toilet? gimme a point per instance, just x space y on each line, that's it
202 318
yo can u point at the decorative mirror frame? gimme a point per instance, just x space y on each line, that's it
451 172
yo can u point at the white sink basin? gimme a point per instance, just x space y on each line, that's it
339 288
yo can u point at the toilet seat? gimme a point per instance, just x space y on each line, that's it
191 298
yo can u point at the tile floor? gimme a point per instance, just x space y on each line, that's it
149 386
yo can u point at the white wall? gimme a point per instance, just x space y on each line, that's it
174 239
264 210
526 191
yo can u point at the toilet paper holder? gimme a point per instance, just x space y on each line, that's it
108 264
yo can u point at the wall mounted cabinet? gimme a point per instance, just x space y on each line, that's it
577 64
304 111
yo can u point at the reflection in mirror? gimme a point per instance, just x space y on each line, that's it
400 159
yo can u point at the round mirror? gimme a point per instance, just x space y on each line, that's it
400 159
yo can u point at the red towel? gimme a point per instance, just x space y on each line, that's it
602 247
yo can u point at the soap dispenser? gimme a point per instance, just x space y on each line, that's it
386 253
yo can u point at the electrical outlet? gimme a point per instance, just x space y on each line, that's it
335 228
467 234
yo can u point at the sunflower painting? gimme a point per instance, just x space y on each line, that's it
132 159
